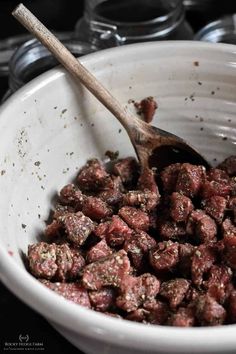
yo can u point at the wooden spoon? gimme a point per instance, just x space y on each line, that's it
153 146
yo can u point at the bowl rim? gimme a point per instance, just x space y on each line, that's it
79 319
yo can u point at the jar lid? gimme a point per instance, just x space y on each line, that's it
32 58
220 31
7 48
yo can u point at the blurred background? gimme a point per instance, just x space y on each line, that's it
84 27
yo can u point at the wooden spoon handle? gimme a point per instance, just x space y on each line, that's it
28 20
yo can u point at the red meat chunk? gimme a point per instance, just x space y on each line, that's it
139 315
189 179
216 285
169 229
184 317
147 108
64 261
78 227
106 272
158 311
146 200
232 207
186 251
101 229
70 291
155 312
229 241
229 165
134 291
78 263
215 207
102 300
96 208
165 256
117 231
217 183
135 218
53 230
71 195
202 226
61 210
112 193
127 170
99 251
209 312
42 260
232 307
92 176
174 291
203 258
169 177
138 246
147 181
180 207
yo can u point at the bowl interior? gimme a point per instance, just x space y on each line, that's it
52 125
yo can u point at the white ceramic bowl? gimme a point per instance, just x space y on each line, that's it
43 123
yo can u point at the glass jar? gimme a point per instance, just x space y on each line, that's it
220 31
32 59
108 23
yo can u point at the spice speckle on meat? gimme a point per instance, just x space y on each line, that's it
156 247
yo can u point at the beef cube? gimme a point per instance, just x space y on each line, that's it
139 315
147 108
174 291
99 251
96 208
233 186
78 227
229 165
71 195
71 291
215 207
158 311
117 232
147 181
61 210
53 230
145 200
169 177
229 241
102 300
42 260
78 263
217 183
112 193
135 218
208 311
232 207
180 207
186 251
203 258
134 291
64 261
216 285
202 226
92 176
138 246
232 307
169 229
184 317
101 229
165 256
127 170
189 179
109 271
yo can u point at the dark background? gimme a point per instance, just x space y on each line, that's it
15 317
